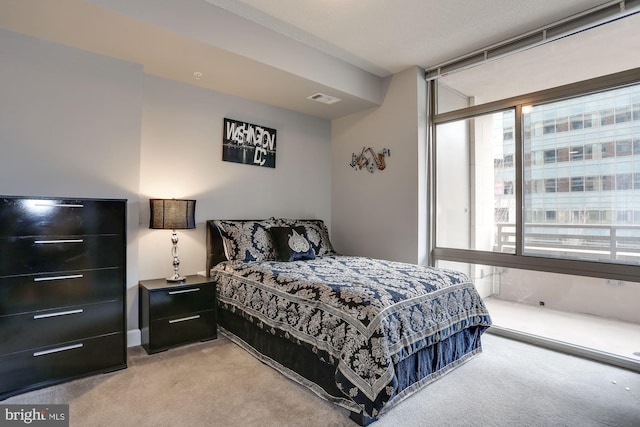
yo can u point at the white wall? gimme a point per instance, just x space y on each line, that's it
78 124
70 127
181 157
382 214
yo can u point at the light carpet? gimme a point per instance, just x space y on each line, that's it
216 383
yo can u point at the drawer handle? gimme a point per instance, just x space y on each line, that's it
183 291
197 316
57 350
59 205
44 242
46 279
59 313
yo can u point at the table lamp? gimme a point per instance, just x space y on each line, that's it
173 214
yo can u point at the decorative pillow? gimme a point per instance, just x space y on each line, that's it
317 234
291 243
246 240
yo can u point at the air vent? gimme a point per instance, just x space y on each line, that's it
325 99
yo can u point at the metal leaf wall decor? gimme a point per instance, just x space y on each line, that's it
369 159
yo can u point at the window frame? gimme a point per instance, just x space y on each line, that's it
588 268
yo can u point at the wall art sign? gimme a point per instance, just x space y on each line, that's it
369 159
249 144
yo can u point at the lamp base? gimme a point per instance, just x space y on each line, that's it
176 262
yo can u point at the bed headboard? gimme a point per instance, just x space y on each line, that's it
215 248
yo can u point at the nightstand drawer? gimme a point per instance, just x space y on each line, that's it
172 331
48 327
176 313
178 300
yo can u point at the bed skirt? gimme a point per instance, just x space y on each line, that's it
303 366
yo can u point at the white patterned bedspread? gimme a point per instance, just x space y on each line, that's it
362 313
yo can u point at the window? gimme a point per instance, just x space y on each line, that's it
548 126
623 148
624 181
577 153
508 134
624 216
563 154
535 186
550 185
576 122
477 140
607 149
599 183
593 217
623 114
588 152
579 170
589 120
564 185
533 245
577 183
508 161
562 124
508 187
549 156
608 182
606 117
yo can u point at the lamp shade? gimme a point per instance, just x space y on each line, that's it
172 214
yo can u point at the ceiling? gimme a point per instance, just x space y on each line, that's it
282 51
385 37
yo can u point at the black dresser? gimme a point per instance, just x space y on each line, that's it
62 290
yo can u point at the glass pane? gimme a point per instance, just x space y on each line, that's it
552 305
476 183
585 207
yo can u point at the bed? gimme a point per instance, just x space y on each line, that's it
362 333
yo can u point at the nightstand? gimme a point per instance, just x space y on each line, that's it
173 314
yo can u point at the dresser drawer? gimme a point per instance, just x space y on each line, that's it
29 370
172 331
30 255
21 294
178 300
47 327
26 216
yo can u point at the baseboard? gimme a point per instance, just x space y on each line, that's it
133 338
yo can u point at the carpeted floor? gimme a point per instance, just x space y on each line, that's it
218 384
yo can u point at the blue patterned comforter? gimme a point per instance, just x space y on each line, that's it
361 314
